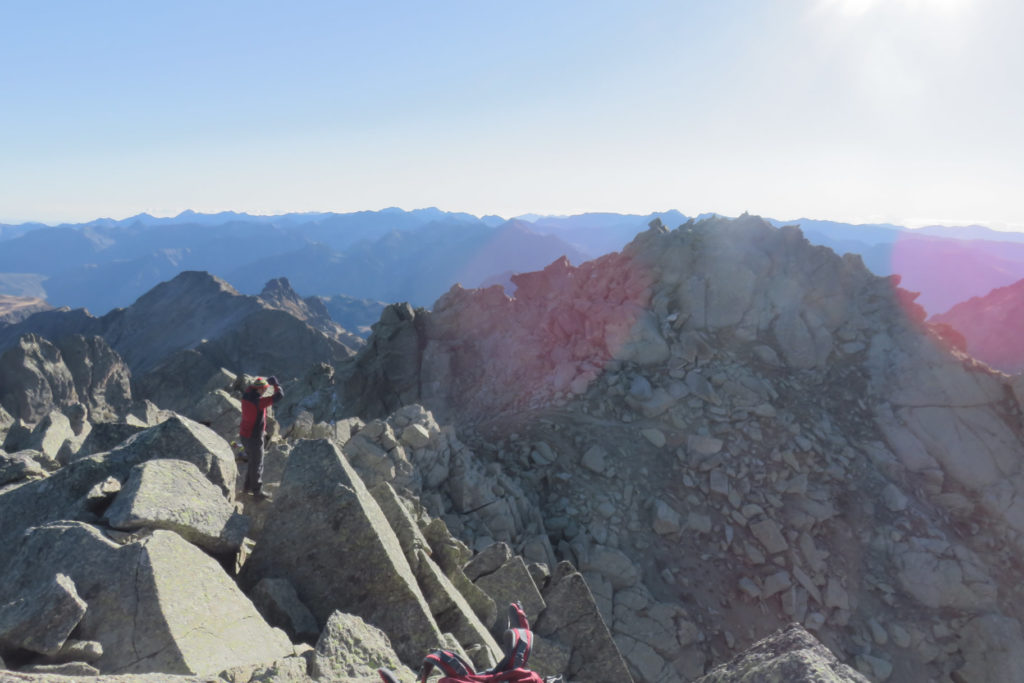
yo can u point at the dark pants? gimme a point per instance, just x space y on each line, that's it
254 451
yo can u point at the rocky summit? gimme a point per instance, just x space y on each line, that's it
721 454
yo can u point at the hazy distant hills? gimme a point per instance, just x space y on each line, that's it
390 255
947 265
413 265
415 256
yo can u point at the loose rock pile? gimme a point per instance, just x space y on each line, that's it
728 427
123 562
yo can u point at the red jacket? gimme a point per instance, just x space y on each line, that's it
254 411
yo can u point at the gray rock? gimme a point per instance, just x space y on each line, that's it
76 669
512 582
105 436
572 618
102 379
17 436
993 650
42 619
654 435
408 532
182 439
6 420
768 533
641 657
34 379
792 655
454 615
19 466
611 563
220 411
356 564
549 657
64 494
349 649
937 581
703 445
154 604
776 583
451 555
51 433
416 436
292 669
74 650
488 560
280 605
594 459
174 495
666 520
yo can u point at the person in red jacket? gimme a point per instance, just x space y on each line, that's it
254 424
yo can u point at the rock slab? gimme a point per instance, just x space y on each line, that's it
328 536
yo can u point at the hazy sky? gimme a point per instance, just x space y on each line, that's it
908 111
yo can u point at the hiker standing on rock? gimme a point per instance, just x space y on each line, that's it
254 424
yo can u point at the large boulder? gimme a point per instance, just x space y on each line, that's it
15 467
182 439
54 437
105 436
351 650
220 411
573 619
41 619
328 536
280 605
174 495
454 614
511 582
451 556
155 604
65 494
792 655
34 379
993 650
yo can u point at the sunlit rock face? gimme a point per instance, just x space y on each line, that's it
764 430
992 326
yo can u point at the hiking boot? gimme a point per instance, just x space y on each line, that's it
260 494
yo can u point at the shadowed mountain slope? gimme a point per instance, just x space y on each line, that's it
196 310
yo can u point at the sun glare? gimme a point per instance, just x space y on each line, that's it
861 7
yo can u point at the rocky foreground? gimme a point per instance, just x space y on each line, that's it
667 455
125 563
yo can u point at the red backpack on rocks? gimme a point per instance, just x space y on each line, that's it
512 669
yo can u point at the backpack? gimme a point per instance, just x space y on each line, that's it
518 642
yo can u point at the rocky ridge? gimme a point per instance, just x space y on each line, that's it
775 431
668 454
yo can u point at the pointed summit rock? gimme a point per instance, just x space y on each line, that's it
328 536
177 314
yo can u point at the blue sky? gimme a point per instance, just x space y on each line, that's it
860 110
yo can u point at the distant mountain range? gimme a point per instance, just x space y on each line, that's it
415 256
